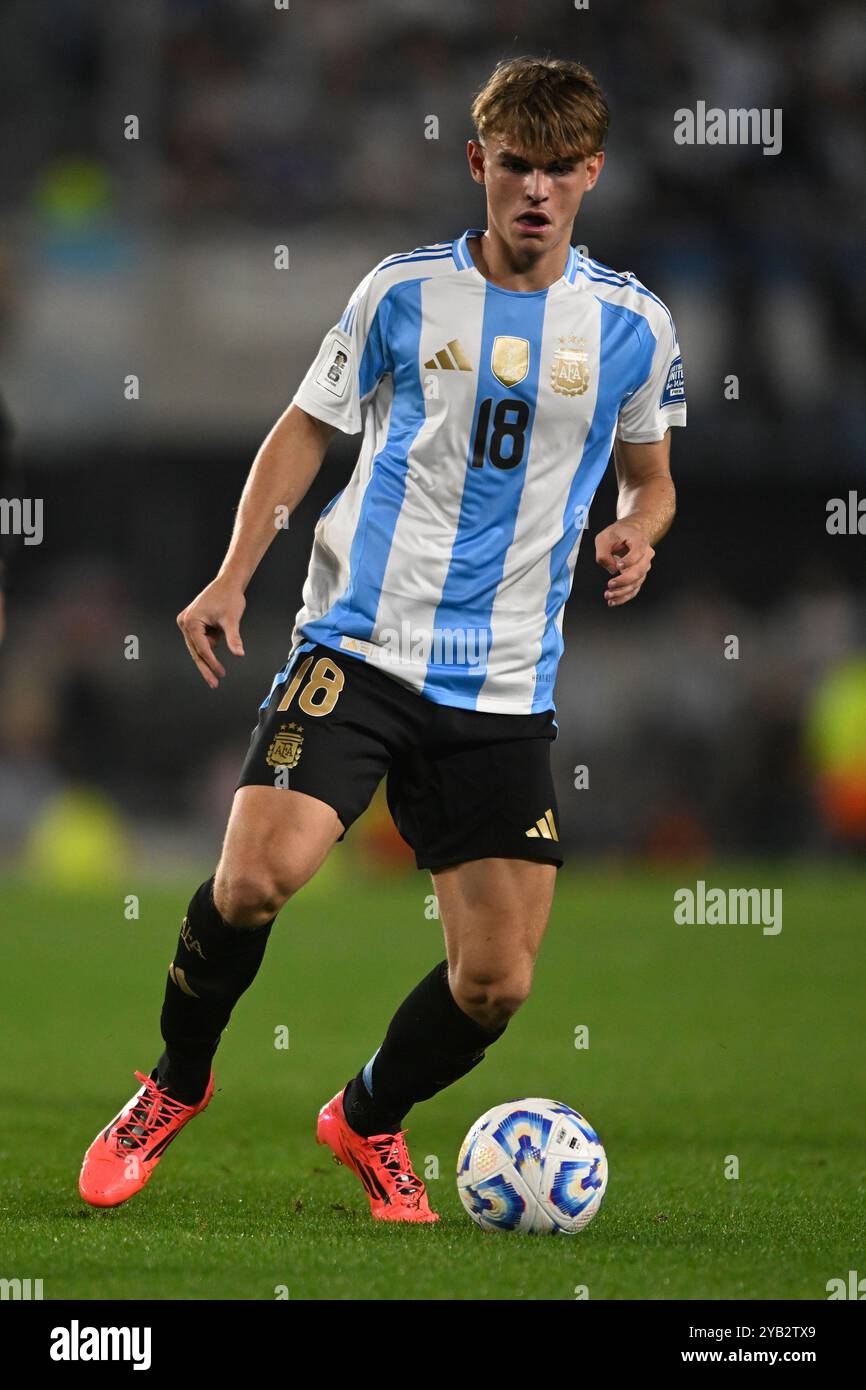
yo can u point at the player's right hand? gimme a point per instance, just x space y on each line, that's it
215 614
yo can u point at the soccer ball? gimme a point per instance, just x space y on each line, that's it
532 1166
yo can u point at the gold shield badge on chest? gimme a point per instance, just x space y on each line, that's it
509 360
569 372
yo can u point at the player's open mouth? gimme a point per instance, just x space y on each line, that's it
533 221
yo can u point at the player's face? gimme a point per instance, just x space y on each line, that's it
532 199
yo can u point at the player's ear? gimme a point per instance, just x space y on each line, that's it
476 156
594 165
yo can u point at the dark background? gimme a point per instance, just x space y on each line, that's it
306 128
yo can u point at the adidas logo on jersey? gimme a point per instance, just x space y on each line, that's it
544 828
450 358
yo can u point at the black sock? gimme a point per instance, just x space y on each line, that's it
430 1043
213 965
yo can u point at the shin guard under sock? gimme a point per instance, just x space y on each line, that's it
212 967
430 1043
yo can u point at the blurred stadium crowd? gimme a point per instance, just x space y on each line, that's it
306 127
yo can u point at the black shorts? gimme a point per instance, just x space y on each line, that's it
462 784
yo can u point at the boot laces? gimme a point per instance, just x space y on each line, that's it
394 1157
153 1110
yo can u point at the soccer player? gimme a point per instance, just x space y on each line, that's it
492 377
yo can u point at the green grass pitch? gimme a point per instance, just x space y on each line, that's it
705 1041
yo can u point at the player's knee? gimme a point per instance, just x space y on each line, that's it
249 898
491 999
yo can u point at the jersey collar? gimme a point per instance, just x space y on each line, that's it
463 261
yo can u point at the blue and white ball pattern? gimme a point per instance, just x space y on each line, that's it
533 1166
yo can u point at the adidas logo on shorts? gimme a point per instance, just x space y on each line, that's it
544 828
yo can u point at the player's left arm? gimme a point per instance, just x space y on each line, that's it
645 510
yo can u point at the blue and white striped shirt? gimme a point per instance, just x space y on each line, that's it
488 418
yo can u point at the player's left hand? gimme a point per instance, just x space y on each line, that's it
624 551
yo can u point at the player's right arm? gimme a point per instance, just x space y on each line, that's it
282 472
353 357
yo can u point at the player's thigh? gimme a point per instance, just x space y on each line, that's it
275 840
494 913
321 746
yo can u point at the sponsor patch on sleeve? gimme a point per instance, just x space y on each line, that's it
334 372
675 386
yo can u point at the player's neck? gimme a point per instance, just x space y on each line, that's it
494 260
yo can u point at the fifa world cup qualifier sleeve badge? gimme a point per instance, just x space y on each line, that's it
674 392
335 370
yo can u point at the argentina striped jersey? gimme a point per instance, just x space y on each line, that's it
488 419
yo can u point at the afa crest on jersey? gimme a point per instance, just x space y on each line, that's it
569 372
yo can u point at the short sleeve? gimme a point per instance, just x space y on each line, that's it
350 363
660 400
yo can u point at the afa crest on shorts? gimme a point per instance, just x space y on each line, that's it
286 748
569 372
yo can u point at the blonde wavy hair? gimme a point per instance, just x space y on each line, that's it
547 105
